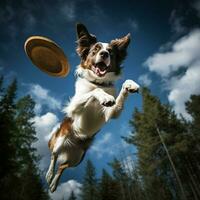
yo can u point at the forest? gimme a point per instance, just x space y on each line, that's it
168 157
167 164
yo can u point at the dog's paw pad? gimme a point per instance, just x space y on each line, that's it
131 86
107 100
108 104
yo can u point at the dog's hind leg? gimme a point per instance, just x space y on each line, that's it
56 178
50 172
55 144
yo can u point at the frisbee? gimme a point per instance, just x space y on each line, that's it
47 56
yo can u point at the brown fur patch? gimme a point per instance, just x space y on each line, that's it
88 48
85 41
64 129
120 48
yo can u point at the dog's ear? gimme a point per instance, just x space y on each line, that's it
84 40
121 46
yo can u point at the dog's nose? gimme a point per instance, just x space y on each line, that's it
104 54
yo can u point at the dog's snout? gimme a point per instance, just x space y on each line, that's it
104 54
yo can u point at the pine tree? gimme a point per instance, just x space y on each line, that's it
137 192
31 184
193 108
1 86
167 149
20 178
154 166
121 180
89 189
72 196
26 134
192 156
7 130
107 187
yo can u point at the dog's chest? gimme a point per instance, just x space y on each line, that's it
92 117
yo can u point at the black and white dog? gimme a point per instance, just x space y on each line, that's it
94 102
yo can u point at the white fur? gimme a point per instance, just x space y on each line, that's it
87 107
99 58
89 110
50 172
58 144
93 104
54 182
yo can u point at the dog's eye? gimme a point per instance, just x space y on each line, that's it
94 51
110 52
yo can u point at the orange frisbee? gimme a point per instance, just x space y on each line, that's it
47 56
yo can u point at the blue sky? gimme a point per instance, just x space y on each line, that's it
163 55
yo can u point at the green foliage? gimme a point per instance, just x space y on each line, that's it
193 108
121 180
108 187
89 189
7 129
168 157
72 196
20 178
154 166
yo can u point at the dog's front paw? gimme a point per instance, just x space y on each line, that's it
130 86
106 100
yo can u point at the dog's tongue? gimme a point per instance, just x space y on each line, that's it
100 69
99 72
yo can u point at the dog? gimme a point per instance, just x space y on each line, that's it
94 102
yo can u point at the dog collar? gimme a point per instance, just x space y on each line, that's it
109 84
104 84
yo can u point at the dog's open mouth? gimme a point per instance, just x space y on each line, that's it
100 69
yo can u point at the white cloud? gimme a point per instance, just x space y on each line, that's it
6 13
96 13
30 22
144 80
8 16
44 125
64 190
184 53
68 10
107 144
134 24
42 98
128 164
103 145
183 87
176 22
196 6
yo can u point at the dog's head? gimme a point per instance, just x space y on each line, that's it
100 61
